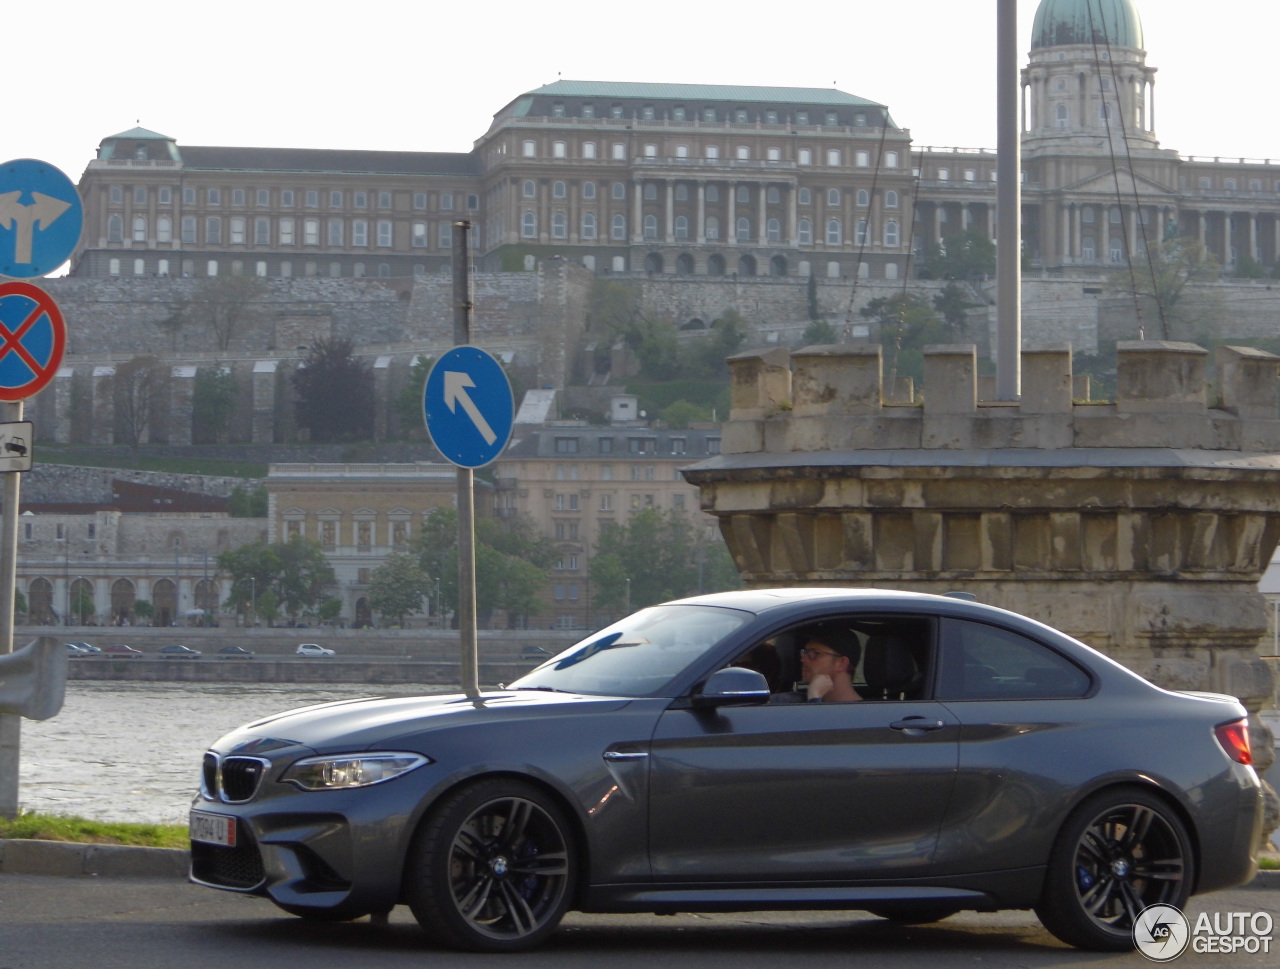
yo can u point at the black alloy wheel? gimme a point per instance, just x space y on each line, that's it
493 868
1118 853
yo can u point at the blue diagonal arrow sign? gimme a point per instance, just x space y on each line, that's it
469 407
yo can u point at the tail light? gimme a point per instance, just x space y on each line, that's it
1234 738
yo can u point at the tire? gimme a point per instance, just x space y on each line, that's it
493 868
919 916
1118 852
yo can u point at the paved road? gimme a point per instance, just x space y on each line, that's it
88 923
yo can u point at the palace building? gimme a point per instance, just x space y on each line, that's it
696 180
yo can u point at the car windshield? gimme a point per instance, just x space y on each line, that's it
636 656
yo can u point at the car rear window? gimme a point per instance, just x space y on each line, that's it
985 662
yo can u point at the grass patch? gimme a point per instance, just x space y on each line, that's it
1269 864
125 459
56 827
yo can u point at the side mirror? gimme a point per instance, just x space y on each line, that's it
732 686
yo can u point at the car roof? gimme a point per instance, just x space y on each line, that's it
764 600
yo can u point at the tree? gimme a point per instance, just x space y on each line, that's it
213 401
137 390
246 503
819 333
142 608
954 306
268 607
225 305
663 555
1249 268
294 572
678 414
408 402
967 256
1169 278
334 388
330 609
907 323
19 603
397 587
705 357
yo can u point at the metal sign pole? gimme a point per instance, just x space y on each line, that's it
10 729
463 310
1008 207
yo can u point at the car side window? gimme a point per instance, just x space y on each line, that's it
984 662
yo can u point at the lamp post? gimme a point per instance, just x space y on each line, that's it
628 610
253 598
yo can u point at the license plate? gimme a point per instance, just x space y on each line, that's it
213 829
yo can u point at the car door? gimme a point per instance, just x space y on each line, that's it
799 791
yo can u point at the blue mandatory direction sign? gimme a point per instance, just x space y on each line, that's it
469 407
40 218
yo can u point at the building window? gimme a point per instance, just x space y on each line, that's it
115 229
606 502
237 196
834 233
619 190
559 191
261 232
861 235
384 233
559 225
588 110
713 229
743 153
139 228
188 196
804 157
682 227
589 150
446 201
164 195
215 196
651 192
713 193
651 227
529 189
650 151
588 225
744 229
890 159
311 232
529 149
557 110
164 229
944 174
419 239
529 226
833 197
891 234
312 199
237 231
773 229
864 198
188 229
335 232
713 445
360 232
213 231
744 194
384 200
833 157
773 154
286 232
862 159
713 151
805 232
891 199
605 446
619 151
618 228
444 235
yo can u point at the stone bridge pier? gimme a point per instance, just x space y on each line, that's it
1139 526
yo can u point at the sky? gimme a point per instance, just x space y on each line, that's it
420 75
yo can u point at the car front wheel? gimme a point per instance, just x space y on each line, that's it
493 868
1118 853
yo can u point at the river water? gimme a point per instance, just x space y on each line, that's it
132 751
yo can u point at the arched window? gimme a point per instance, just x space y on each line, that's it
682 227
805 232
1117 250
213 231
1063 116
115 229
864 198
559 191
833 197
715 265
559 225
746 265
164 229
778 266
713 229
772 196
588 190
139 228
651 227
834 232
891 234
684 264
774 230
530 189
653 263
744 229
619 190
650 192
862 236
890 199
1087 252
744 193
618 228
803 197
529 225
588 225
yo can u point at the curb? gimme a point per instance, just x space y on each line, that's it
31 857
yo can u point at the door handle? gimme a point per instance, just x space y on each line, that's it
917 723
617 755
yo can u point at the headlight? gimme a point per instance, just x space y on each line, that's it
343 771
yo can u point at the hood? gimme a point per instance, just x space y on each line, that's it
361 724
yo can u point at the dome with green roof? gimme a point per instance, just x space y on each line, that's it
1063 23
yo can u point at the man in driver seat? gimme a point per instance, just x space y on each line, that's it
828 659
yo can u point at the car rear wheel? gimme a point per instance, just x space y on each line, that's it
493 868
1118 853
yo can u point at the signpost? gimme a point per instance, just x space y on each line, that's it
41 217
469 411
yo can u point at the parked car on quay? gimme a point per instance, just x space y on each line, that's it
177 651
121 652
313 649
87 647
670 763
74 650
235 652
